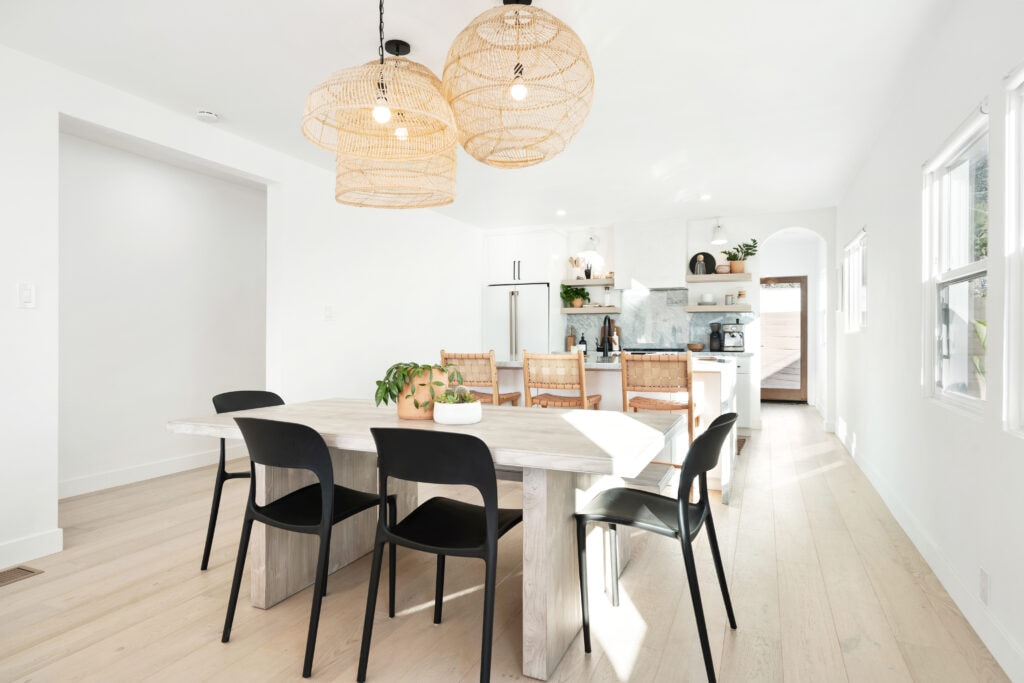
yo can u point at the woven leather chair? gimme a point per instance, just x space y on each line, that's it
669 516
560 372
312 509
480 370
660 373
228 403
440 525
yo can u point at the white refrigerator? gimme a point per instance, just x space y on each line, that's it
516 317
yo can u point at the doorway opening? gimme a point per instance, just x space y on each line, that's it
784 338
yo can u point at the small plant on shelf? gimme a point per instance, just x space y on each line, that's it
739 254
574 296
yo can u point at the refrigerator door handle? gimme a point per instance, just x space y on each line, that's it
515 313
511 327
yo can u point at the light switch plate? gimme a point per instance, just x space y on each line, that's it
26 295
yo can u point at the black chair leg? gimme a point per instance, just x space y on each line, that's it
698 608
371 605
393 512
719 569
236 582
439 589
581 547
488 626
319 589
218 485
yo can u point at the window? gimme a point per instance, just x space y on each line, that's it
956 225
855 282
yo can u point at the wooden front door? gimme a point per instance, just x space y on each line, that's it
784 338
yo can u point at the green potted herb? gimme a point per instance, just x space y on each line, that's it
574 296
414 387
739 254
457 406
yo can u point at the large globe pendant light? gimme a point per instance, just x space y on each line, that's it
520 83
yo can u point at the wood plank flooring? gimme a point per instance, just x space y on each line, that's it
825 585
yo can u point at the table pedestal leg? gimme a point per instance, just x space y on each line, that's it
282 563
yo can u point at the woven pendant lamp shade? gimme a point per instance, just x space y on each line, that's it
524 45
339 112
410 183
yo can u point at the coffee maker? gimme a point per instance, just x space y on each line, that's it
732 339
715 340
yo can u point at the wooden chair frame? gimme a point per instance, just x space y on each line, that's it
660 373
559 371
480 370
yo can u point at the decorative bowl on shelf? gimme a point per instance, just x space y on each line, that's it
695 346
722 269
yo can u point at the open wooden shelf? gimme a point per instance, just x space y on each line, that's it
595 282
728 277
591 309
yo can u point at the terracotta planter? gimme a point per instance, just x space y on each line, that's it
737 266
577 302
407 409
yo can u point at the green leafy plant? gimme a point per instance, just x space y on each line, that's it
413 375
458 394
742 251
569 293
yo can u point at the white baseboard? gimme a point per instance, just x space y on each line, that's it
129 475
28 548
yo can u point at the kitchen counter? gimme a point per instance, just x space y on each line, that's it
714 375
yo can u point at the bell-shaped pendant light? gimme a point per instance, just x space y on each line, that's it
405 183
520 83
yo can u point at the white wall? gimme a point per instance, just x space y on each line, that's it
366 263
953 480
798 252
162 304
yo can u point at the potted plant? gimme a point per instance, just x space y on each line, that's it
574 296
457 406
739 254
414 386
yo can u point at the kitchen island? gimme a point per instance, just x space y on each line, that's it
714 380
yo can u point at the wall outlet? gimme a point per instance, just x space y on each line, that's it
984 585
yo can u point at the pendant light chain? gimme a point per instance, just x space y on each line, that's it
380 48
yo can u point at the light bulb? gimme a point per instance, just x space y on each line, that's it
381 113
402 133
518 91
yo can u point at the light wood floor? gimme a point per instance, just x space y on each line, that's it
825 584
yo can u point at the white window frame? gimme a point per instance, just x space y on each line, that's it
854 286
933 277
1013 302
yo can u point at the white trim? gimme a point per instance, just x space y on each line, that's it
1013 301
129 475
28 548
962 137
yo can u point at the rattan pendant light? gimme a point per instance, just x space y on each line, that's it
520 83
391 128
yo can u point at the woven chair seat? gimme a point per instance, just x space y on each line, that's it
647 403
562 401
503 398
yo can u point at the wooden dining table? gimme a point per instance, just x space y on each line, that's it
562 456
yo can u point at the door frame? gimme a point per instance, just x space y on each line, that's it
795 395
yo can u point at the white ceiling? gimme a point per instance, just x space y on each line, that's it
766 106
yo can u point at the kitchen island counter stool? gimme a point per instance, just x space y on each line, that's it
480 370
559 372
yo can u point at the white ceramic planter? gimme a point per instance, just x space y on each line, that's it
457 413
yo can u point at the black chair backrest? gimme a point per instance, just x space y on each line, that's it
703 455
436 458
245 400
287 444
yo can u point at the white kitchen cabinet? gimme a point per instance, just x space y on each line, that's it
534 256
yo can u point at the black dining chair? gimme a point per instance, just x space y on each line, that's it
228 403
312 509
669 516
440 525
